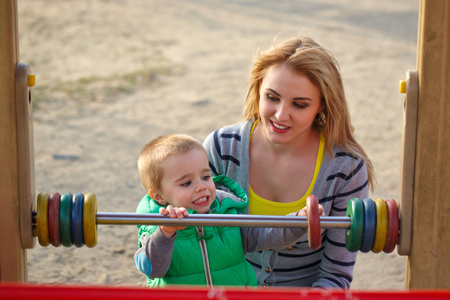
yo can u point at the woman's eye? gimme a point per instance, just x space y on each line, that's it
187 183
271 98
300 105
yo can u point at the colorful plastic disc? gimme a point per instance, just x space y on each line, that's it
42 219
370 225
65 208
89 220
381 232
314 231
354 234
393 225
53 219
77 220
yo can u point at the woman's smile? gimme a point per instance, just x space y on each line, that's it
279 128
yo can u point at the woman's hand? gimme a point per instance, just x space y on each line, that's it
172 212
302 212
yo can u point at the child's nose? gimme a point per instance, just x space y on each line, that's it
200 187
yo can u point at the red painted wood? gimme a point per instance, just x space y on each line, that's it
42 292
53 219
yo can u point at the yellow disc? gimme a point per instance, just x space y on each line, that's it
89 220
382 224
42 219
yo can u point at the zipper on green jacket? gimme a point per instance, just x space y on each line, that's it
202 243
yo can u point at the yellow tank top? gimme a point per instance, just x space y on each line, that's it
261 206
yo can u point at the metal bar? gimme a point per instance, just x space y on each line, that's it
219 220
120 218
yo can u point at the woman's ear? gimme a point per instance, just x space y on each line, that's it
157 197
321 107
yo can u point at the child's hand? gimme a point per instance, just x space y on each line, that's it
173 212
302 212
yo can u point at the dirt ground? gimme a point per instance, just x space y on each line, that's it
111 75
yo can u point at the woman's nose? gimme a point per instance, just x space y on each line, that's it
282 113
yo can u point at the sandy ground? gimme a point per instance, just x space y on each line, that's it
111 75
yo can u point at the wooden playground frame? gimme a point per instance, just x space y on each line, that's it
425 178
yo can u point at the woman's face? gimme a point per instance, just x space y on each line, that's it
288 104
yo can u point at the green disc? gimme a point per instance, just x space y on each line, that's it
354 234
64 220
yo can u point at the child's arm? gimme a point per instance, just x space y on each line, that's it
154 257
257 239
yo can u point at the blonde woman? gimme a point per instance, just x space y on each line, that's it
295 139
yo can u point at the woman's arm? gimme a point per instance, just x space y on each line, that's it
213 150
336 268
227 150
257 239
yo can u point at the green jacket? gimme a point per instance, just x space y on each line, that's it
225 251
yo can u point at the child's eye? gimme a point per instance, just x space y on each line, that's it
206 177
187 183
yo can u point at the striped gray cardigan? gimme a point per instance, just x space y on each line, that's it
341 177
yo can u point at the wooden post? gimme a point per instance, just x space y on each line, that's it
428 265
12 256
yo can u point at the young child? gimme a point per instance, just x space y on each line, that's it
174 170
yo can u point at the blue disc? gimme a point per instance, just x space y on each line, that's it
370 225
77 220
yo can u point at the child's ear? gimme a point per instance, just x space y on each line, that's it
157 197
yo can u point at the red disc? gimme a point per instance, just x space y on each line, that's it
53 219
393 225
312 210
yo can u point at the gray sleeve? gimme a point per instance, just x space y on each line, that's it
257 239
227 150
157 249
336 269
213 154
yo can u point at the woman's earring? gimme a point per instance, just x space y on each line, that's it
320 119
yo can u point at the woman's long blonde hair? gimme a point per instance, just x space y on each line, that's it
304 55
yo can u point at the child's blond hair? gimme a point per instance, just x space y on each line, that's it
154 154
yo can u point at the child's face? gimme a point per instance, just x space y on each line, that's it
187 181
